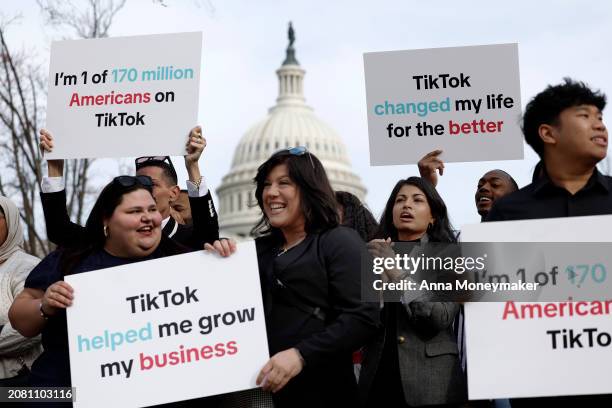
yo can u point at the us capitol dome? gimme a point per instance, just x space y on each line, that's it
289 123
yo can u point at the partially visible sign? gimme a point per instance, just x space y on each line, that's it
517 349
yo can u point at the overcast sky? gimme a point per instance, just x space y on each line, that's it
244 43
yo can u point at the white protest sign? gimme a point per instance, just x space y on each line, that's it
464 100
165 330
540 349
123 97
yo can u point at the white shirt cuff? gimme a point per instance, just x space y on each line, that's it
52 184
193 191
410 295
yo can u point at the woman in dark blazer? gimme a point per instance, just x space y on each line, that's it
414 361
310 277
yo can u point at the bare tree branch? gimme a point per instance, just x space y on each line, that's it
92 21
22 93
206 4
18 104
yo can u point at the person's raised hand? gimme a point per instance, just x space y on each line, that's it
55 167
195 145
430 165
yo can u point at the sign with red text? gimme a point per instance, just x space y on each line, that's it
463 100
537 349
123 97
165 330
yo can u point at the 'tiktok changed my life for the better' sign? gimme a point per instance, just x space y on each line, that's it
124 96
165 330
464 100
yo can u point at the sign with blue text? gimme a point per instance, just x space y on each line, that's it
123 97
166 330
463 100
538 349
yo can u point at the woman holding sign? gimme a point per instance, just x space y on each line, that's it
415 362
123 227
309 268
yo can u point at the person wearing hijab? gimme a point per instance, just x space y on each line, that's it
17 353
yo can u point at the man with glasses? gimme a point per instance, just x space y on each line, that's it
205 229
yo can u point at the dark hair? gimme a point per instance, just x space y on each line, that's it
317 199
546 106
357 216
108 200
441 231
512 180
509 177
168 171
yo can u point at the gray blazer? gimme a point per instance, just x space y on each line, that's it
428 356
427 350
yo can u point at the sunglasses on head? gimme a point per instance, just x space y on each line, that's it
148 160
298 151
129 181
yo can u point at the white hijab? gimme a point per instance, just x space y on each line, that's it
14 239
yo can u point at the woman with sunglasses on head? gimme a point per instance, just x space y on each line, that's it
123 227
310 276
415 361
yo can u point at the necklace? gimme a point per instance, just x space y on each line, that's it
286 248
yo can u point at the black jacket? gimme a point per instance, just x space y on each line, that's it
63 232
322 273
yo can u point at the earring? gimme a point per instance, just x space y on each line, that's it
430 227
106 231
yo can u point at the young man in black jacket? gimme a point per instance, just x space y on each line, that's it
564 125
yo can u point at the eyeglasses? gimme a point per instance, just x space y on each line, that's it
299 151
129 181
148 160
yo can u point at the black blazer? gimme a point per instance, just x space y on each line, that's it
323 272
63 232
